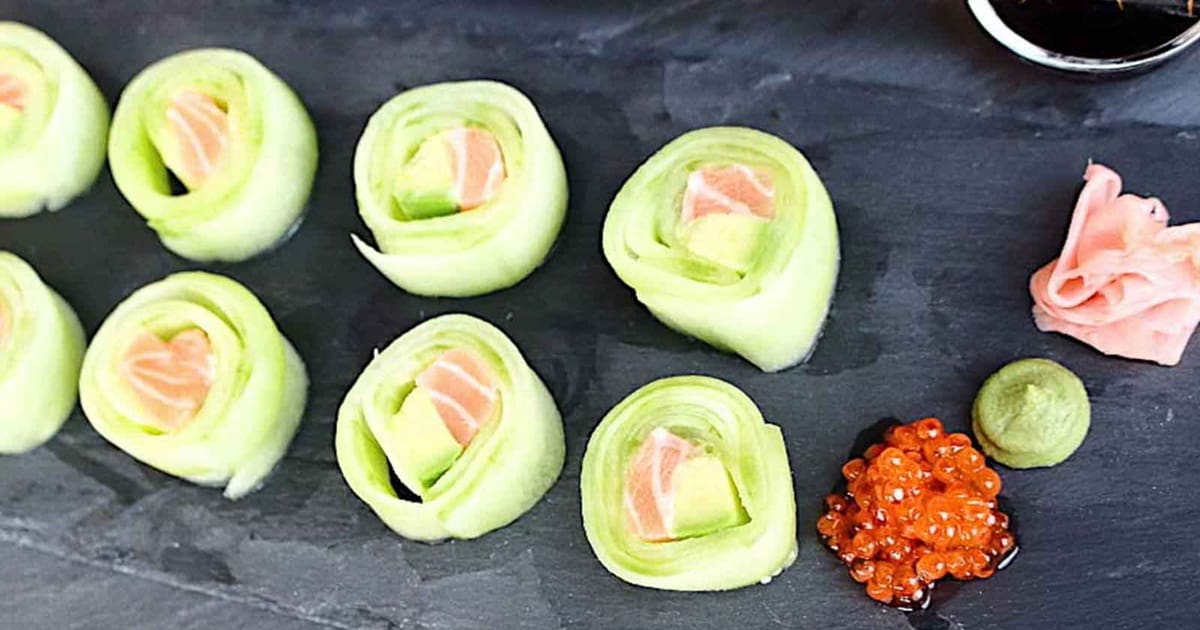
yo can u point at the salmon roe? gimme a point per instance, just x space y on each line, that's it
918 507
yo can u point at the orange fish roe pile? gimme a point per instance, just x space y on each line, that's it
918 507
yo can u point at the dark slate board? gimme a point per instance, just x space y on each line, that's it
952 166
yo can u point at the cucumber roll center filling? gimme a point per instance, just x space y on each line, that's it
15 97
453 171
13 92
170 379
201 131
725 212
454 398
26 98
676 490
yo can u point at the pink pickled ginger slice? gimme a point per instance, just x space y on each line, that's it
1125 283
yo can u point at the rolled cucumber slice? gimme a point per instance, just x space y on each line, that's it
759 287
235 137
733 512
504 470
53 124
257 393
423 243
41 348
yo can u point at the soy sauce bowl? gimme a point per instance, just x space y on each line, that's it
989 19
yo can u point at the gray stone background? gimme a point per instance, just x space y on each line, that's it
953 168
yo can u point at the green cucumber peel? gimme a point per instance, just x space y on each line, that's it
39 358
770 308
52 149
253 407
706 411
258 196
514 459
469 253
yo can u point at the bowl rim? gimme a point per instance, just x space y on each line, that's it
987 17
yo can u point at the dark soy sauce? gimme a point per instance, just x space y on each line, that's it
1099 29
925 615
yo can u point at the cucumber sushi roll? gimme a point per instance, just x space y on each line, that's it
53 123
215 152
41 347
686 488
727 234
462 187
455 415
190 375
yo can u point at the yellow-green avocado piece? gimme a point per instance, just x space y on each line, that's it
731 240
1032 413
418 444
424 189
705 498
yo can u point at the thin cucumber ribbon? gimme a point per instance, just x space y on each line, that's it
723 419
467 253
252 409
41 347
771 314
255 197
501 474
53 124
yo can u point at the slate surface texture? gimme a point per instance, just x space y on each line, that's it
953 168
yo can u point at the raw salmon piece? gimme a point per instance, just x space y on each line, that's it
478 166
1125 283
463 390
736 189
202 130
172 379
12 92
649 495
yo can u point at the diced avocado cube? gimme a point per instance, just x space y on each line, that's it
424 188
732 240
417 206
705 498
418 444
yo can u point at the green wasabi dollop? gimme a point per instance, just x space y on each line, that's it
1032 413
